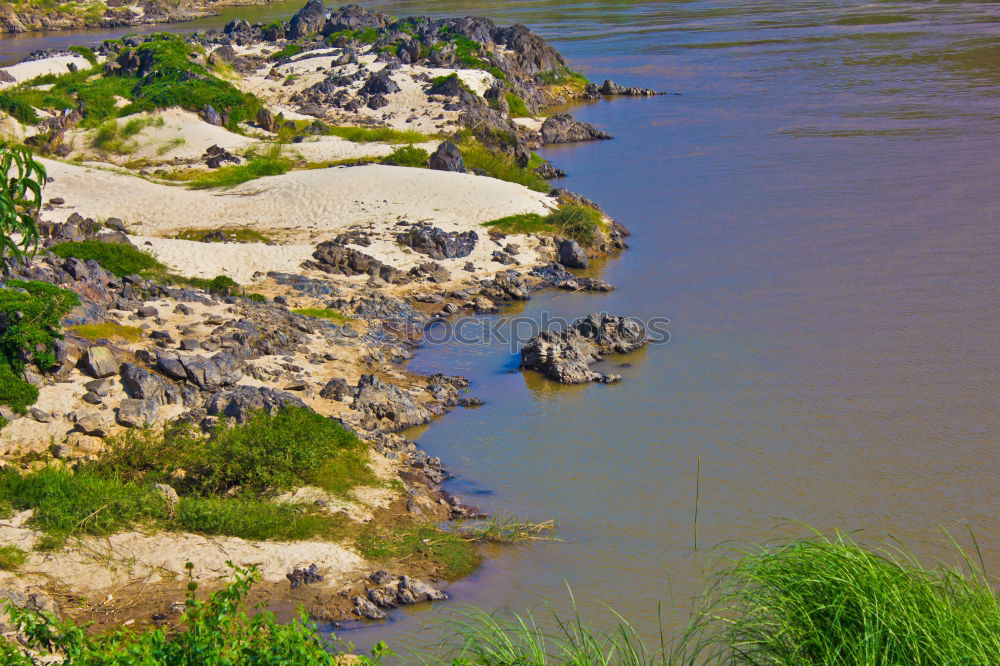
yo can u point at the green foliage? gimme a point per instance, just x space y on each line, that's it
581 223
232 235
118 258
365 36
288 51
32 312
439 80
325 313
499 165
563 76
113 137
271 163
17 107
86 52
20 200
372 134
217 631
831 601
108 331
65 503
267 455
11 557
518 109
407 156
253 519
452 555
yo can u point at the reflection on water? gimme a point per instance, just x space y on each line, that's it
817 214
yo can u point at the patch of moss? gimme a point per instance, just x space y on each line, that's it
108 331
327 313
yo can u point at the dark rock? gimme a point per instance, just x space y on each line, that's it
211 116
335 389
471 402
216 157
506 286
380 83
304 576
572 255
241 402
336 258
267 121
91 398
563 128
308 20
99 362
612 88
141 384
366 609
565 356
136 413
147 311
379 402
439 244
353 17
447 157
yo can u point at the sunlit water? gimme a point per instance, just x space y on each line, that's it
817 214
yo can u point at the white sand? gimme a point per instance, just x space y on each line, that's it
236 260
301 206
25 71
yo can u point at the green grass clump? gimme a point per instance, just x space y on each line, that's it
832 601
234 235
85 52
581 223
271 163
501 166
518 108
267 455
452 555
372 134
108 331
114 137
324 313
11 558
365 36
66 503
120 259
288 51
18 107
252 519
563 76
407 156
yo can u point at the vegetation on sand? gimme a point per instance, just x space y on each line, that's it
118 258
581 223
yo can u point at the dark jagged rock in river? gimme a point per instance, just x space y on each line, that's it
566 356
564 128
612 88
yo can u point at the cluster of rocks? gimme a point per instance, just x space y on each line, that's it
388 591
337 258
216 157
438 244
566 356
77 228
612 89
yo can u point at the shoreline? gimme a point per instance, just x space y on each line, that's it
380 274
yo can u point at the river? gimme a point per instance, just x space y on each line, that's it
817 214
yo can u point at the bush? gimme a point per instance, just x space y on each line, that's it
407 156
267 455
581 223
220 630
120 259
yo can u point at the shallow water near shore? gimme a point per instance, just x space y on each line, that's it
817 214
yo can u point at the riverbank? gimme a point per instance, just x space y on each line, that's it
268 235
50 15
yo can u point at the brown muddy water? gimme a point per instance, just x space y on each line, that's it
818 215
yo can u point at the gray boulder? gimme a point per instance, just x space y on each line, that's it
447 157
241 402
572 255
141 384
136 413
380 402
564 128
308 20
566 356
99 362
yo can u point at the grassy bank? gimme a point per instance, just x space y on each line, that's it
807 602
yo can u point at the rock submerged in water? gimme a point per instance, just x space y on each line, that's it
566 356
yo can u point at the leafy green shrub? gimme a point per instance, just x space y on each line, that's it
407 156
11 557
267 455
220 630
120 259
85 52
32 311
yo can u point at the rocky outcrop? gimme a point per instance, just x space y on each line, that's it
612 88
566 356
506 286
390 592
240 402
571 255
564 128
447 157
332 257
386 406
308 20
439 244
